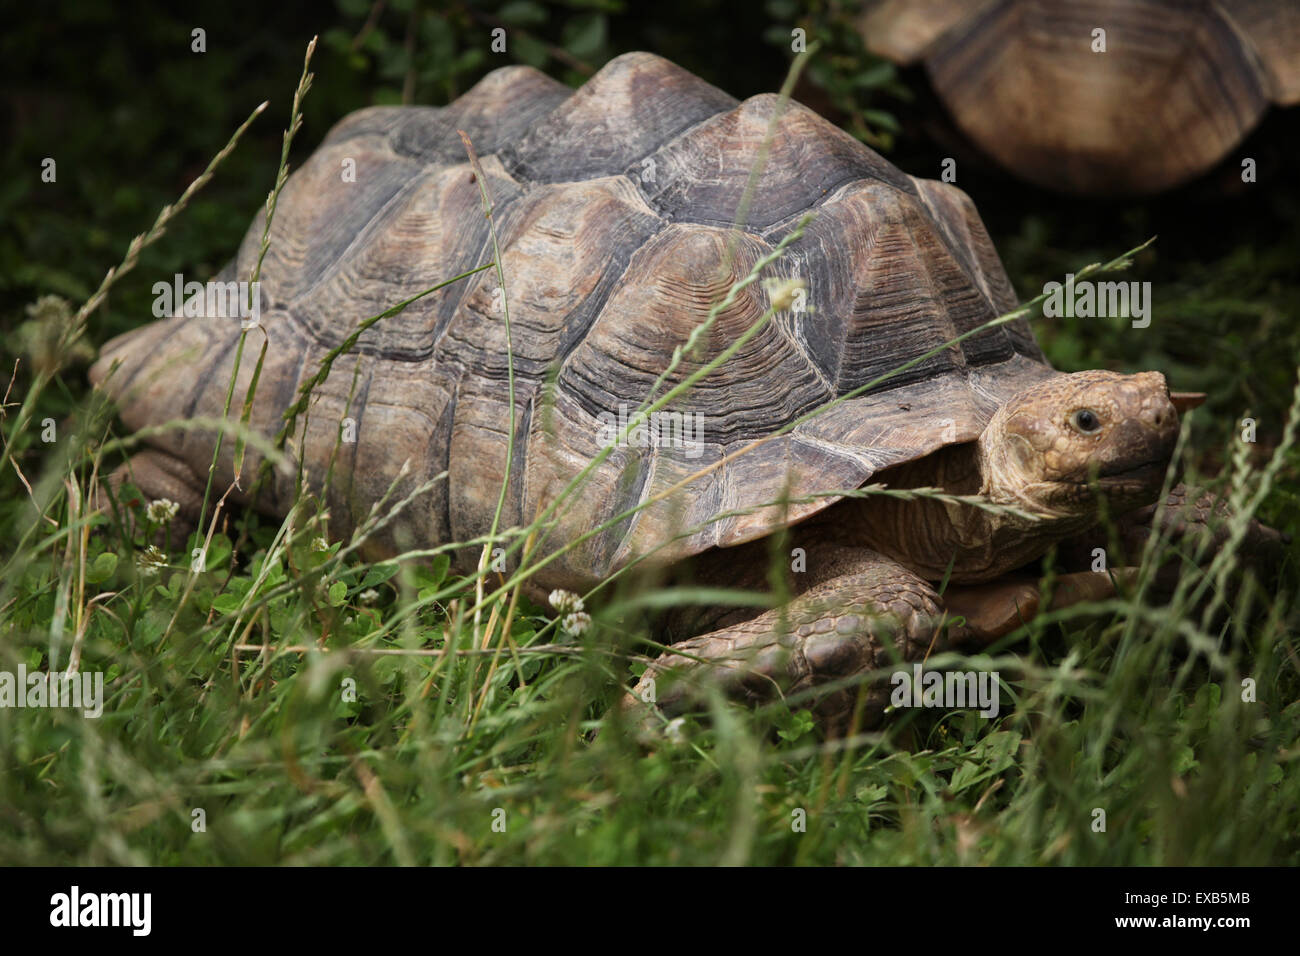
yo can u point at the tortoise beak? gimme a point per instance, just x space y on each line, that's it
1185 401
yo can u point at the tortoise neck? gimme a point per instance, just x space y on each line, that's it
938 536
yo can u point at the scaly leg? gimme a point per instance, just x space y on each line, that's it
870 614
1190 513
1190 518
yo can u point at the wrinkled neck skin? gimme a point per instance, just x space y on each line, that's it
1004 477
926 535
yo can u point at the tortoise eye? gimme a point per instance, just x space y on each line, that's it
1085 420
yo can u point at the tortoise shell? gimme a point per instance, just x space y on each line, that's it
613 205
1180 84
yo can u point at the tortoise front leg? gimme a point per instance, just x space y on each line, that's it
1197 525
867 618
861 620
1190 515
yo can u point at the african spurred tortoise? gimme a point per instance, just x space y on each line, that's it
614 206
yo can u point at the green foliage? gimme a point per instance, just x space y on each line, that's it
855 82
432 52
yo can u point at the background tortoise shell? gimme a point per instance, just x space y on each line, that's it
1180 85
613 205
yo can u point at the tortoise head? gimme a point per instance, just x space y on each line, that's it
1050 448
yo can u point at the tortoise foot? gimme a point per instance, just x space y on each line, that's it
822 649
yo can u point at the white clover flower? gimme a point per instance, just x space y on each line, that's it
565 601
673 730
576 623
318 543
368 596
150 561
162 510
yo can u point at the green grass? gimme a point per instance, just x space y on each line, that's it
470 734
1123 713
